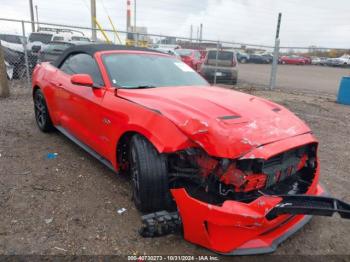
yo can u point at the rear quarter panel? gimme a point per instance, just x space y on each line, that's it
43 74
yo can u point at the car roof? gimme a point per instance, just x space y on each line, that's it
91 49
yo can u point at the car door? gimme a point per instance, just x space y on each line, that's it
80 105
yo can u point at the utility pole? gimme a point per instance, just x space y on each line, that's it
128 16
201 33
275 54
135 15
32 14
191 32
197 34
4 87
93 20
37 17
136 33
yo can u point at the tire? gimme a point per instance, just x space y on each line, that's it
149 175
41 111
243 61
283 62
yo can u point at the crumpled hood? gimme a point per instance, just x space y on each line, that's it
225 123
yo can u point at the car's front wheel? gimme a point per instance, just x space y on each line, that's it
149 176
41 111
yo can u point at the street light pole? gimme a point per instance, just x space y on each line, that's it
275 54
93 21
31 14
135 15
135 32
37 17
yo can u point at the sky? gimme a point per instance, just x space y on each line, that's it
322 23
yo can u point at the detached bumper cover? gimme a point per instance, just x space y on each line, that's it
237 228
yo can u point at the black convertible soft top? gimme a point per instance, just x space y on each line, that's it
91 49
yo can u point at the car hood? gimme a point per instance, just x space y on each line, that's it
225 123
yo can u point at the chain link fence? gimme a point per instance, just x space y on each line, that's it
23 49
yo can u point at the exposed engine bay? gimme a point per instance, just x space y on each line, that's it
215 180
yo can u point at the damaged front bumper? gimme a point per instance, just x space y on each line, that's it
238 228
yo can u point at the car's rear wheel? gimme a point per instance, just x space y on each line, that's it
149 175
243 61
41 111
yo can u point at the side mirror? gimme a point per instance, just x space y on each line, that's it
82 80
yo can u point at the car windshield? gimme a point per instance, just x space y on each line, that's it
184 52
12 39
222 55
58 38
149 70
80 38
40 37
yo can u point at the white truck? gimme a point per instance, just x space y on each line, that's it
38 40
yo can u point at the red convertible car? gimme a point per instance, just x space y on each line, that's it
241 172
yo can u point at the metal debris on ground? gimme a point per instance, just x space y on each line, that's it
48 220
62 249
121 210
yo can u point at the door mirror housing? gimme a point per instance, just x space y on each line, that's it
82 80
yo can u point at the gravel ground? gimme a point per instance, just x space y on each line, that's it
68 205
295 77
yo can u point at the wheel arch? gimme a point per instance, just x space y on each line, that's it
162 141
35 87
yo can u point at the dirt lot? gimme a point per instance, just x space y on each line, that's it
68 205
295 77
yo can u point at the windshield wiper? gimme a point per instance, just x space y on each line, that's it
139 87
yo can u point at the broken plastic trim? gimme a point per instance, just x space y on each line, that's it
163 223
310 205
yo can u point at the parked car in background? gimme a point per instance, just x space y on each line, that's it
319 60
16 60
13 42
293 60
260 59
190 57
343 61
203 54
242 57
38 40
54 49
308 60
225 67
169 51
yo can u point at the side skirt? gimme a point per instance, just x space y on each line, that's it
86 148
